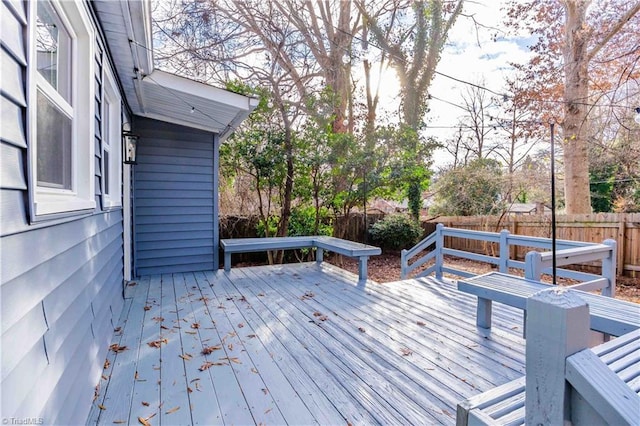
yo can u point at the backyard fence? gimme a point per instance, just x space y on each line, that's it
594 228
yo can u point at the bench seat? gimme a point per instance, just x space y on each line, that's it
320 243
608 315
505 404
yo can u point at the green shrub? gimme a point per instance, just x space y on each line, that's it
395 232
302 222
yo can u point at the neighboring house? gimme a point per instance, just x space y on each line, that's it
75 223
528 209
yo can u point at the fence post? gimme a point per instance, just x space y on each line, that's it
557 327
533 266
609 269
439 246
404 264
504 252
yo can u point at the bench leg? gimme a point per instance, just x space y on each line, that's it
319 255
362 270
483 314
227 261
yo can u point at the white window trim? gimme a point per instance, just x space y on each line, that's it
114 133
52 201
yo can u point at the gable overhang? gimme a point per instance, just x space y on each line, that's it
157 94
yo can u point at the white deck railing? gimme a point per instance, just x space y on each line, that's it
535 264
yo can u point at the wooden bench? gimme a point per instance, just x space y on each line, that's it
320 243
505 405
608 315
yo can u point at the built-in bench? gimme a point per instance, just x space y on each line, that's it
320 243
608 315
505 405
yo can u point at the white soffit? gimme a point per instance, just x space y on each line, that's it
158 94
169 97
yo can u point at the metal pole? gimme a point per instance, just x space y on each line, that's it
553 205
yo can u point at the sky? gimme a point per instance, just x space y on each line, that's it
474 57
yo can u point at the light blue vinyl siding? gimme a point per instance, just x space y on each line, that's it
174 199
61 281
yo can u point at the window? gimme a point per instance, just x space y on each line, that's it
111 143
60 108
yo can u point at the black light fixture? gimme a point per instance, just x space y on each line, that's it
130 145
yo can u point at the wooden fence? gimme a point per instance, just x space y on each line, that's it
624 228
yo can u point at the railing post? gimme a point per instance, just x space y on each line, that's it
557 327
439 257
319 255
533 266
404 264
609 269
503 263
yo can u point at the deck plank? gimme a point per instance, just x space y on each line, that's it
230 398
398 353
145 401
351 344
119 390
173 377
285 367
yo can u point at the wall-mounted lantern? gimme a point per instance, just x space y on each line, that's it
130 142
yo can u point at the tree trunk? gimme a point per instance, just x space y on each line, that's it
576 96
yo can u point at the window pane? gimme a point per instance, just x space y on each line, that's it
107 172
53 50
53 145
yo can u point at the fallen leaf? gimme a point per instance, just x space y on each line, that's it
157 343
145 403
307 295
154 414
194 380
209 349
147 307
421 324
102 407
230 346
173 410
119 422
232 359
251 336
195 325
317 314
144 421
268 411
323 318
164 327
189 390
265 391
253 370
240 325
104 377
158 319
186 357
106 364
361 330
261 294
117 329
191 332
135 376
117 348
132 283
406 351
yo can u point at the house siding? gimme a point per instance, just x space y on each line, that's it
61 281
173 199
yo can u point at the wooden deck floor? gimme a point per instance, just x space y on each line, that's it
300 344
